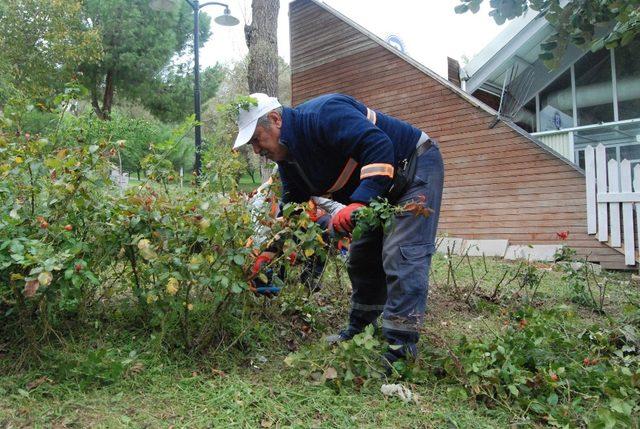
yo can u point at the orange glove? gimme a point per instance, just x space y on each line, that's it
264 258
341 221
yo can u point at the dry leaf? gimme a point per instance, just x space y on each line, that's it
316 376
218 372
266 423
330 373
30 288
136 368
37 382
291 345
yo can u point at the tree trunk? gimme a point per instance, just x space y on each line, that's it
107 101
104 112
262 40
95 104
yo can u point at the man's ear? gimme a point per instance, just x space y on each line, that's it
276 119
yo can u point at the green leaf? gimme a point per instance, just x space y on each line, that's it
513 389
290 359
348 375
548 46
627 38
499 19
546 56
552 399
461 8
537 407
622 407
238 259
91 277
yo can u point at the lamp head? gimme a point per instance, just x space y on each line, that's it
226 18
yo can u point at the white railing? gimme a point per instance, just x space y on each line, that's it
560 141
609 186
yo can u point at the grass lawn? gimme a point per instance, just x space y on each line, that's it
247 383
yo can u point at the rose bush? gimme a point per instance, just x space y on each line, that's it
73 246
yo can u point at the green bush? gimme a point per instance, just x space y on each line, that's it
73 246
544 365
39 122
135 136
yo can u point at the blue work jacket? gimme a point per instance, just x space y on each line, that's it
340 148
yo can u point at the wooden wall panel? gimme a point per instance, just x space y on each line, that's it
498 182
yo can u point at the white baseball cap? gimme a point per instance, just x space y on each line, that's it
247 119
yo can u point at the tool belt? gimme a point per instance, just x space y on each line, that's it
405 172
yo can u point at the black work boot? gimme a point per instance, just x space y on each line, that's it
347 334
407 352
344 335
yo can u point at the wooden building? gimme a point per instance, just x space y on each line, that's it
500 182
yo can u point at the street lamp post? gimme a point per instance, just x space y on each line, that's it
225 19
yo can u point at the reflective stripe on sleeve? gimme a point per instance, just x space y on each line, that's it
376 170
371 116
346 173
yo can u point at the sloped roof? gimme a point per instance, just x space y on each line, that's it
404 56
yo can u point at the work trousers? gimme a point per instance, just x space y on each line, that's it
389 270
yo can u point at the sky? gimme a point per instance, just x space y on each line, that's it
429 29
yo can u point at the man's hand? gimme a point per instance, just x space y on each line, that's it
263 259
256 284
341 221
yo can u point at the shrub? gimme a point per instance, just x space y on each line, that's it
546 366
72 245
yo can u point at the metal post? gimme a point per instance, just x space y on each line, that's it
227 20
196 88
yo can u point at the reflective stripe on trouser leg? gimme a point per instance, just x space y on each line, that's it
407 252
367 280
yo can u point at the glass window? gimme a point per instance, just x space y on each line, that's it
556 104
594 88
580 157
630 152
628 80
611 152
526 117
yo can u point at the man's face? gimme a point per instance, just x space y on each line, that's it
266 140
